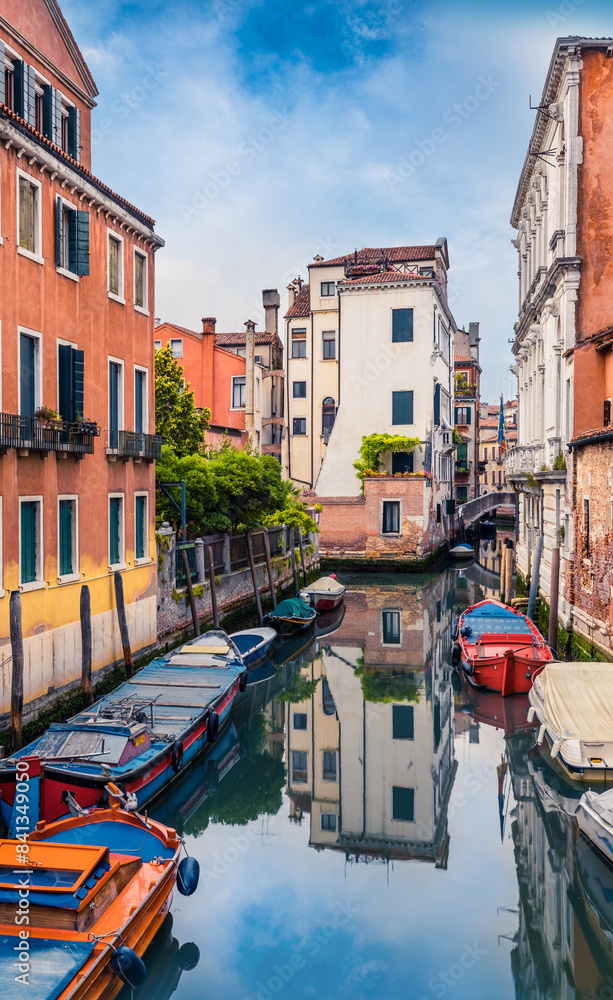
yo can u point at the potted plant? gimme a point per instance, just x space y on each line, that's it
47 416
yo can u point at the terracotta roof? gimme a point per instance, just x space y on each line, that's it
302 304
488 423
383 277
371 254
463 360
239 339
74 164
180 329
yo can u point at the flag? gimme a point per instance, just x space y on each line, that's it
502 441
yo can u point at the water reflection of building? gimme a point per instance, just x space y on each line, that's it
564 944
376 775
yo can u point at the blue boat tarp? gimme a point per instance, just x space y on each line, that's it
120 837
52 965
493 619
292 607
496 610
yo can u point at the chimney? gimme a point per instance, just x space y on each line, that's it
271 301
208 324
473 340
250 377
291 289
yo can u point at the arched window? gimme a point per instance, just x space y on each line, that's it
328 413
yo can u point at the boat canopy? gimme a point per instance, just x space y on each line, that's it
292 607
578 699
54 964
492 619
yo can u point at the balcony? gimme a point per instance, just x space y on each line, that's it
31 434
465 392
130 444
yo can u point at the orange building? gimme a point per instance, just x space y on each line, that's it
76 326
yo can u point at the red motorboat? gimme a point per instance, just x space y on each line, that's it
491 709
499 648
324 594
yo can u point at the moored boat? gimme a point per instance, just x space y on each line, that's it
253 644
499 648
462 551
595 820
572 702
291 615
324 594
490 708
141 735
94 890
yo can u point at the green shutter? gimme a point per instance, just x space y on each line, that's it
72 241
82 243
437 404
468 413
114 526
28 541
402 325
2 87
139 378
74 134
64 381
27 375
455 414
403 804
140 527
78 382
52 114
66 554
402 407
59 242
403 722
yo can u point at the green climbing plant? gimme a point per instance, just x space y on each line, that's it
374 446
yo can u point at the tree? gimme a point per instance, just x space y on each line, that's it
176 417
249 486
201 501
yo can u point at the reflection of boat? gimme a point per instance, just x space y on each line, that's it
291 615
165 962
596 880
324 594
499 648
253 643
491 708
462 551
142 734
263 672
573 704
98 888
595 819
291 648
328 623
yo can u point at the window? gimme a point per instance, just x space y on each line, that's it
299 425
299 766
462 493
116 531
402 326
299 343
391 517
9 87
607 413
73 133
140 281
329 765
300 720
30 542
70 382
328 415
64 122
300 390
29 217
403 723
239 389
402 407
67 533
328 822
586 528
115 266
140 401
462 457
329 345
402 461
390 627
438 513
485 456
403 804
38 114
157 344
30 375
141 526
462 415
115 402
326 289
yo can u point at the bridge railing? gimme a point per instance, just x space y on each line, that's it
473 509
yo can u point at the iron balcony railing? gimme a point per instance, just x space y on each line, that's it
130 444
33 434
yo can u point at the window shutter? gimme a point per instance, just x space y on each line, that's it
18 84
455 414
82 243
28 542
78 382
114 530
59 243
437 404
25 93
52 115
140 528
27 375
402 407
2 88
66 565
402 325
138 402
65 382
468 412
74 133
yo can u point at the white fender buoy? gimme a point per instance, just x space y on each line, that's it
555 748
541 735
531 713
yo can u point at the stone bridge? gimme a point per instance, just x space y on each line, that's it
472 510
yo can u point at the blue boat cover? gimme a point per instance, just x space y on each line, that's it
52 965
118 837
492 609
245 643
292 607
492 619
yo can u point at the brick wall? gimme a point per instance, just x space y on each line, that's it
593 566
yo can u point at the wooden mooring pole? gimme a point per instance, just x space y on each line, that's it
190 591
86 646
553 604
211 562
254 577
273 592
16 669
123 624
302 562
292 545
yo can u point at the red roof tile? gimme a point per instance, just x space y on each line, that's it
239 339
180 329
463 360
301 305
383 277
370 255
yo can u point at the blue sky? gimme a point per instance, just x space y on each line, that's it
260 133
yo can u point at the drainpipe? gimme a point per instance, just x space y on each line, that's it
534 581
250 379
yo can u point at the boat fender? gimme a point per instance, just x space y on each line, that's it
465 631
188 873
456 682
531 713
455 629
212 726
141 717
541 735
456 655
555 748
128 966
304 596
177 756
188 956
333 576
242 682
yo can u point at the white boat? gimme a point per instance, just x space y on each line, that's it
462 551
253 643
572 702
595 819
324 594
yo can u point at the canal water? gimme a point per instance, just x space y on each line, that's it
367 826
